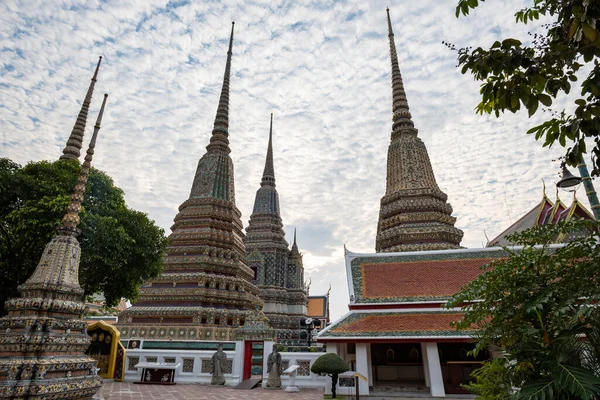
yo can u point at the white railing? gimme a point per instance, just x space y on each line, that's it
304 378
191 369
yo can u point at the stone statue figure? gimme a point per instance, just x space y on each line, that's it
218 362
275 368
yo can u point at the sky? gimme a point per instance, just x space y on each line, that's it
321 67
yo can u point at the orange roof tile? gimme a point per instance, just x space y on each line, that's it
422 279
403 322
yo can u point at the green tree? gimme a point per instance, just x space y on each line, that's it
517 75
540 305
121 247
330 364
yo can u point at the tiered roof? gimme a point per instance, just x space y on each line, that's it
414 214
544 213
402 295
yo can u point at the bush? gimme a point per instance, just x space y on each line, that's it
330 364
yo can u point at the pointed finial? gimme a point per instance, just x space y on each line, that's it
71 219
219 140
544 185
73 148
295 237
269 171
402 122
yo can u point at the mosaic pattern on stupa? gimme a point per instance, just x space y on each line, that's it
278 271
43 339
414 213
205 291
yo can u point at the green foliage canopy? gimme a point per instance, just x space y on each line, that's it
517 75
121 247
538 304
330 364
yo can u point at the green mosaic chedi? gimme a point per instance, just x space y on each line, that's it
414 213
279 272
205 291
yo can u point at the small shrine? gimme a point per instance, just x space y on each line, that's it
107 350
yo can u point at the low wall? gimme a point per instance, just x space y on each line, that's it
196 365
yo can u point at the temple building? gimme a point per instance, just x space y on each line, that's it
398 333
205 291
544 213
278 271
414 213
43 338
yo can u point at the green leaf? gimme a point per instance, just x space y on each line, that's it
545 99
589 32
532 107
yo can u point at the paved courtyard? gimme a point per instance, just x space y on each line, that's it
130 391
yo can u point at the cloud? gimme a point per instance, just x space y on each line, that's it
321 67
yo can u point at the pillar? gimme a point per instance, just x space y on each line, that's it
362 366
435 370
425 365
267 349
238 363
370 365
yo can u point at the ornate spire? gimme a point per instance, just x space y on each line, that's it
214 174
295 252
220 132
75 142
402 122
71 219
268 177
414 214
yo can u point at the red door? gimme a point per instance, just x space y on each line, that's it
253 358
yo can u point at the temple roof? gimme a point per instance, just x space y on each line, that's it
395 324
420 276
545 212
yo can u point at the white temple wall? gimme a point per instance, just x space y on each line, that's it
192 372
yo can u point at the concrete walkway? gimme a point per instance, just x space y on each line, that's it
131 391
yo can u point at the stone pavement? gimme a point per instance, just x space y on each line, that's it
131 391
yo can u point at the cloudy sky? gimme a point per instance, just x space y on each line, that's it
321 67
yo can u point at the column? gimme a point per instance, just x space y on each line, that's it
267 349
425 365
362 366
331 348
238 363
435 370
370 365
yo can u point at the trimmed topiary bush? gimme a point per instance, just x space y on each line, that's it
330 364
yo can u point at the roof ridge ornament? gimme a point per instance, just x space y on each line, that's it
74 144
